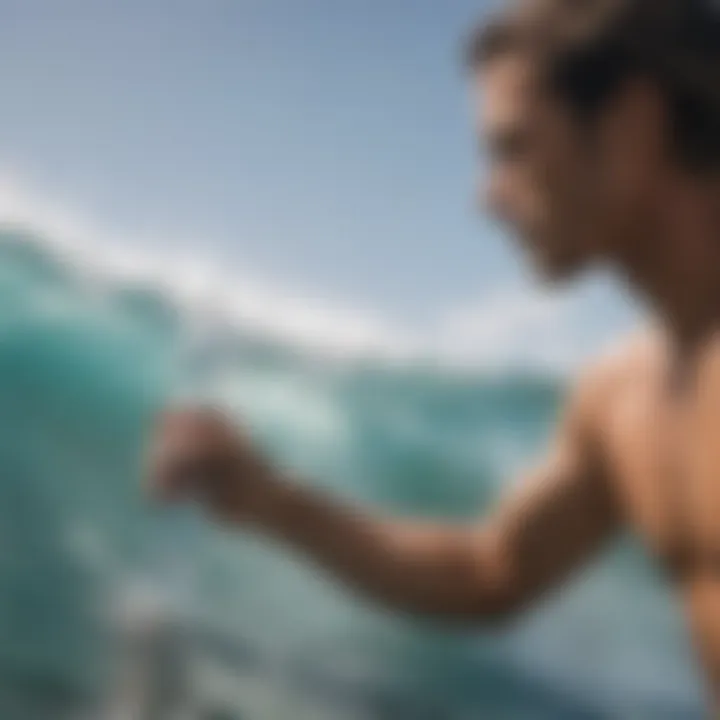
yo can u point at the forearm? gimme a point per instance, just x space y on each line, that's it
436 570
534 540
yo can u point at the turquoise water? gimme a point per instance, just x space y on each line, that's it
86 359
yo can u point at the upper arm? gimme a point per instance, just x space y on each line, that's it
564 511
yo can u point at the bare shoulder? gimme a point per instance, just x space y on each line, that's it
622 367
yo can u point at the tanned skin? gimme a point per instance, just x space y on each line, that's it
638 443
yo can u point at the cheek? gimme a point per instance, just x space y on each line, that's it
570 179
544 196
614 193
626 192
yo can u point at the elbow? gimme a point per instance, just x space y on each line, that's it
465 586
500 609
491 610
495 597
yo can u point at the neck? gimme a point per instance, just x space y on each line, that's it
678 270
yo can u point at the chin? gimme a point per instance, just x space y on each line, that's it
553 261
556 271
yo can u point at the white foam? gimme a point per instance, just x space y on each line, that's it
517 328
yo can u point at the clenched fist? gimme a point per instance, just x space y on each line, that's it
201 455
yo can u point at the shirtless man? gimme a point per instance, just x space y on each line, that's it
602 119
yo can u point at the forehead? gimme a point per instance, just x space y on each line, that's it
505 91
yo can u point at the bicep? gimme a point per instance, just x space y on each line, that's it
560 516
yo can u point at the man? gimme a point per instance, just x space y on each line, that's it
603 122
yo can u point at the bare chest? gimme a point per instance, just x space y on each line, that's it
664 458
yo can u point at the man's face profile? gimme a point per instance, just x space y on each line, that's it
552 180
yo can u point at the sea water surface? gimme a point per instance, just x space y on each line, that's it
86 359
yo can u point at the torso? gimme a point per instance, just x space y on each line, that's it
663 453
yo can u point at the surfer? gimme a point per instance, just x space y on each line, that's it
602 123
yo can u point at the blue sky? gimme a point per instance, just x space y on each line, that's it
326 145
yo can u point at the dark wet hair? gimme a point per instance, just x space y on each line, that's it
587 50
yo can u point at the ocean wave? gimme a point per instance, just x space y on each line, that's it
515 330
94 338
